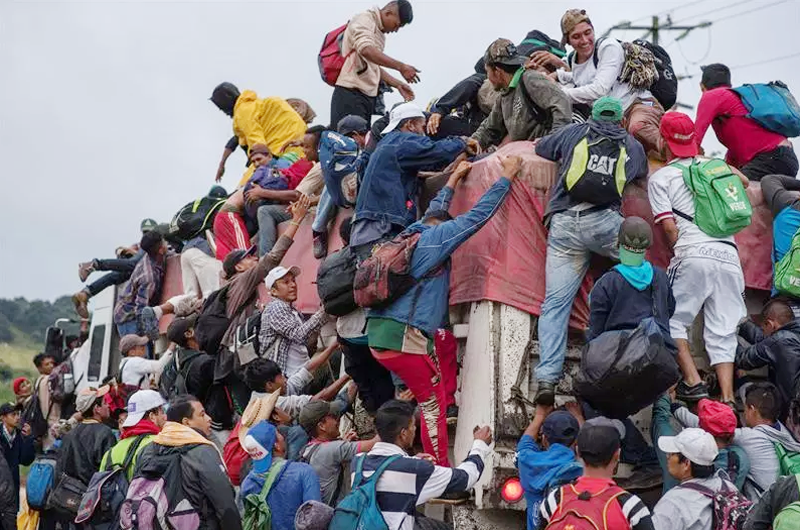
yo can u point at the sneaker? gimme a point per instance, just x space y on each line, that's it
81 302
452 414
320 245
684 392
149 323
84 270
545 393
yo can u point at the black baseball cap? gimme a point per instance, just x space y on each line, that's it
599 441
233 258
560 427
352 124
8 408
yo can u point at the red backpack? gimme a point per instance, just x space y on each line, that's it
579 510
330 58
386 275
234 456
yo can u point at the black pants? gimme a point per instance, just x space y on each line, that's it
779 161
347 101
374 382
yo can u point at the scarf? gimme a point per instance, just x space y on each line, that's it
639 277
177 434
143 427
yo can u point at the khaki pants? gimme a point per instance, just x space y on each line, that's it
642 120
200 273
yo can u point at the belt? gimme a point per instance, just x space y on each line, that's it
593 209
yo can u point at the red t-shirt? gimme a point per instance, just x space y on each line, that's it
743 137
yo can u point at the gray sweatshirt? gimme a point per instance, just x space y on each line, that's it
687 509
759 444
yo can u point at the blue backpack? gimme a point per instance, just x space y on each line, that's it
772 106
341 164
359 510
40 481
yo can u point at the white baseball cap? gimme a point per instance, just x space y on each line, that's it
140 403
695 444
402 112
279 272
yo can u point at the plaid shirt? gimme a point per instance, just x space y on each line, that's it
283 327
143 288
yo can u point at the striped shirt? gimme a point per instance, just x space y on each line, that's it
629 512
409 482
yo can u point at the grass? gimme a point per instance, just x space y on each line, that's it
19 358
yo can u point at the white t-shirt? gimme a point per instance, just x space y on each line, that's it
136 371
590 83
667 192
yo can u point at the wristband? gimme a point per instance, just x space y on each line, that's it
295 223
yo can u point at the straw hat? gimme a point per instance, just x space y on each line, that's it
257 410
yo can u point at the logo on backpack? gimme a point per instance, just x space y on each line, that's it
597 170
721 205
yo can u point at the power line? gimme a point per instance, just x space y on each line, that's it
748 65
671 10
717 10
759 8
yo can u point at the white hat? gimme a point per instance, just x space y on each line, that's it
695 444
279 272
140 403
402 112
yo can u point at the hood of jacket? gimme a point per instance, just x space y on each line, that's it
246 97
550 468
792 327
609 129
780 435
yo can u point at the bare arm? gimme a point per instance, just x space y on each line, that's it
538 419
376 56
671 231
330 392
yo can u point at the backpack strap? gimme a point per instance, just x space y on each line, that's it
132 452
359 478
275 473
538 112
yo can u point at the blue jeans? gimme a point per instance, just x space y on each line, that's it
269 217
326 212
121 270
572 240
635 449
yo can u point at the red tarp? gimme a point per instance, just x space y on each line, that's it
505 261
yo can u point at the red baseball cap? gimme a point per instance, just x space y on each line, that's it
716 418
677 129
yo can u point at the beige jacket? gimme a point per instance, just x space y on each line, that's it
363 30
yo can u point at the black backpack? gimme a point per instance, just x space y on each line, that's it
597 169
246 342
173 380
536 40
195 218
335 282
665 88
33 414
213 321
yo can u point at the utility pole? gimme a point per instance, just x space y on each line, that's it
655 27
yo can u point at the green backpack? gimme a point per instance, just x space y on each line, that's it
789 461
789 517
787 270
721 206
257 513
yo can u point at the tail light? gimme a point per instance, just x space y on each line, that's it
512 491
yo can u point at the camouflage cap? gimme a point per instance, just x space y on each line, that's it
635 237
572 18
503 51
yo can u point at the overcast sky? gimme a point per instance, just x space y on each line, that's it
105 118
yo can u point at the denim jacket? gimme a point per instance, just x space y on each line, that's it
436 243
389 189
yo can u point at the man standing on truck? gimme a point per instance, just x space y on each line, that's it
402 334
753 149
120 271
706 271
144 287
530 106
597 159
363 71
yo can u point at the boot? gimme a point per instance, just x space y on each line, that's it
81 301
84 270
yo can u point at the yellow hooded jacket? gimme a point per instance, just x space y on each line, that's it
269 121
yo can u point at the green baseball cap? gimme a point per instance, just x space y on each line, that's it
607 109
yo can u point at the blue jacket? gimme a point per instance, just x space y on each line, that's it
340 156
389 189
435 245
615 304
540 471
19 453
559 146
298 484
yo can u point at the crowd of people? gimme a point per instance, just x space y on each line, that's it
237 424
